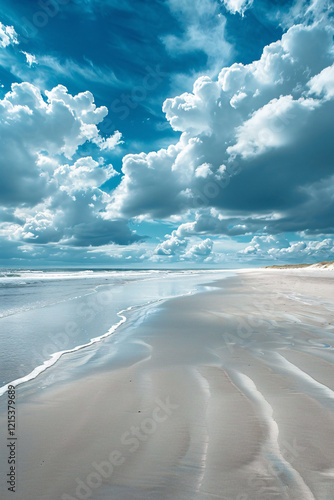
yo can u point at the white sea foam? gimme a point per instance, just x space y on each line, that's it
57 355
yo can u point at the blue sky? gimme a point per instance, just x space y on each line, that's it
166 133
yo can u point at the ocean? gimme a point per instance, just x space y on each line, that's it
46 314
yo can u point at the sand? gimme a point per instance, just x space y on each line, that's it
228 394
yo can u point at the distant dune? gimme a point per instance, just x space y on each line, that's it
318 265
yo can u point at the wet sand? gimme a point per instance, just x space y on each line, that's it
230 397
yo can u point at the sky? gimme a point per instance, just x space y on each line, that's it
166 133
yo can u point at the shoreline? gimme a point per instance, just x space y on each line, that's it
56 356
232 395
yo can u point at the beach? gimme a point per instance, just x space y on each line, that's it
222 393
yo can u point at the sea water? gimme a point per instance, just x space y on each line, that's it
45 314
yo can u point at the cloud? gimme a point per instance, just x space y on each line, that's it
8 36
237 6
267 128
139 191
278 248
74 214
171 245
97 232
109 143
203 31
202 249
307 12
88 71
323 83
31 59
31 126
261 245
44 69
254 154
177 247
256 148
47 197
84 174
213 223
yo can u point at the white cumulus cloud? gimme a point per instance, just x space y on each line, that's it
237 6
46 195
171 245
202 249
254 144
8 35
323 83
280 249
